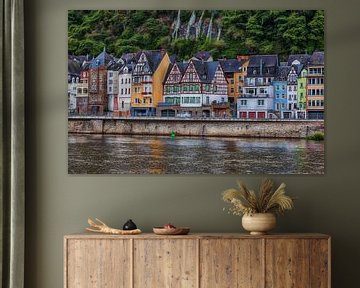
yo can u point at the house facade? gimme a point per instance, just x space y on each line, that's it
98 97
124 93
302 91
170 106
257 100
147 82
315 87
281 108
73 79
292 93
113 88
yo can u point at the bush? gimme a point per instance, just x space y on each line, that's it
316 137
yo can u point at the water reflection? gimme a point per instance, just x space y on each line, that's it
120 154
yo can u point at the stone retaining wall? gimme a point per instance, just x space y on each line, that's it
196 127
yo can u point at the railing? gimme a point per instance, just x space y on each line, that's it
209 118
165 104
255 96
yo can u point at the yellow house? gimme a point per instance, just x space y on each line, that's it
235 71
147 82
241 74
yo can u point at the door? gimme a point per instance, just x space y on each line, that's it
231 263
163 263
252 115
261 115
94 263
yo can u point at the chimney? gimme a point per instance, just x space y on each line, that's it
162 52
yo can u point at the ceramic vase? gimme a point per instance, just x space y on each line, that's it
259 223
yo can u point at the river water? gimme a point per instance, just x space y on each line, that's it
123 154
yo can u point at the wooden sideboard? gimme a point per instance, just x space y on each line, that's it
197 260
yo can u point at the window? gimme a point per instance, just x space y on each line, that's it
110 89
110 81
197 99
243 102
231 81
85 90
261 102
122 81
232 90
122 104
110 74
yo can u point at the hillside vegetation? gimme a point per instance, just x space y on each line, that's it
225 33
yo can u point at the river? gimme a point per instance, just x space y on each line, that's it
123 154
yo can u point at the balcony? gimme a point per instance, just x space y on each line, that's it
166 104
263 95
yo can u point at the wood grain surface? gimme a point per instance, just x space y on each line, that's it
197 261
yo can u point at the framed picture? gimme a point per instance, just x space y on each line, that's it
196 92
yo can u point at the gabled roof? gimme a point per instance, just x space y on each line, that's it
154 57
205 70
211 69
298 68
302 58
230 65
203 55
264 60
114 66
102 59
180 65
173 58
317 58
282 73
128 57
130 67
74 67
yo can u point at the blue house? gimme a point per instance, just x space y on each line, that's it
280 92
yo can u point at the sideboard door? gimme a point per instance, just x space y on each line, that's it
98 263
231 263
165 263
297 263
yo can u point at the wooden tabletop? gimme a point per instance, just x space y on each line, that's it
89 235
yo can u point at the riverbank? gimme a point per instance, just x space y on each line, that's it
207 127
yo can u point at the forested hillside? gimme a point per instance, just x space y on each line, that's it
225 33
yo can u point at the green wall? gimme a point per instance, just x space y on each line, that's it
58 204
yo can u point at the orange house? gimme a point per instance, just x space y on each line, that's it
147 82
